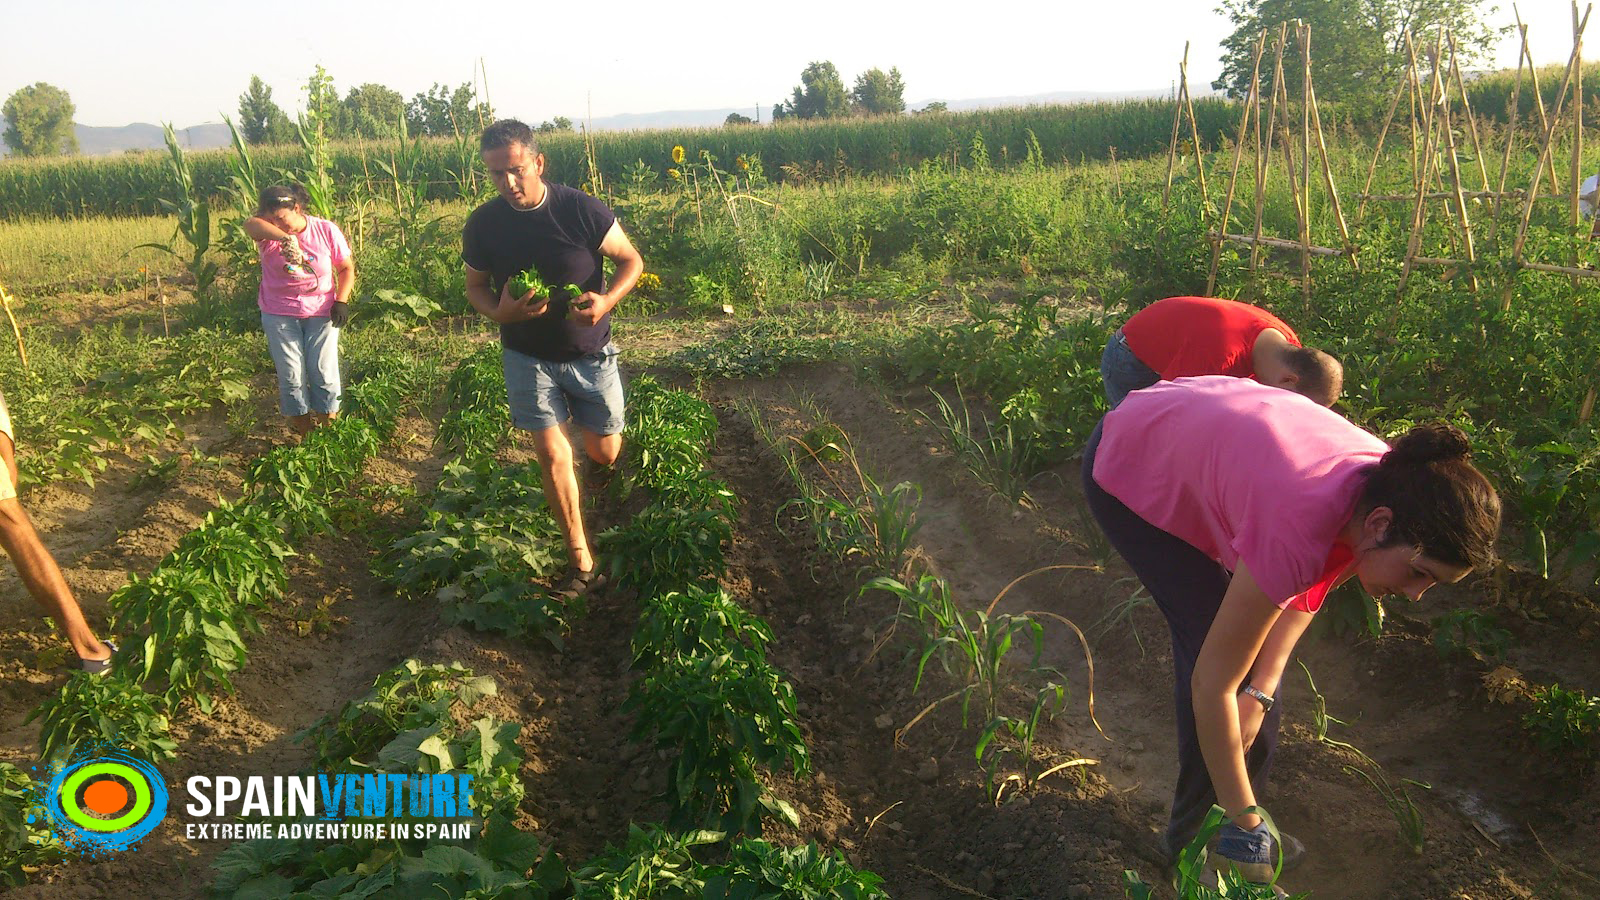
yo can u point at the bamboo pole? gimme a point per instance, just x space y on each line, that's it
1172 144
1383 133
22 350
1303 31
1415 84
1280 243
1575 271
1544 153
1264 151
1538 105
1511 129
1513 194
1194 129
1577 127
1327 168
1252 106
1414 243
1472 121
1460 201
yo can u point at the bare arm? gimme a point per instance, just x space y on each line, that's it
630 265
8 452
260 229
345 279
1241 628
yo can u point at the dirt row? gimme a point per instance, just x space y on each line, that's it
917 813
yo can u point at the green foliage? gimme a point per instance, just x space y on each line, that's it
695 622
666 548
820 95
1564 721
879 94
757 870
410 696
39 121
1407 815
103 709
388 308
724 715
654 864
24 842
192 633
1467 632
261 120
477 419
494 866
1190 869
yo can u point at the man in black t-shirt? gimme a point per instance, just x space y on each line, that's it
559 361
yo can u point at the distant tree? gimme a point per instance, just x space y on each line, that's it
877 94
260 119
1357 46
937 106
39 121
441 110
371 111
561 123
738 119
820 95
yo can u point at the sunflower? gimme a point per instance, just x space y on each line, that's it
674 173
677 154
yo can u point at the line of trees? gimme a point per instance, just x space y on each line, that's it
367 111
821 95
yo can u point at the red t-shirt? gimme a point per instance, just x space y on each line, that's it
1182 336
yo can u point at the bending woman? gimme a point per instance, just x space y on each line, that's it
1291 500
306 278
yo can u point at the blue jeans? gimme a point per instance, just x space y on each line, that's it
544 394
1122 372
306 354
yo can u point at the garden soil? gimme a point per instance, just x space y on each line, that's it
910 804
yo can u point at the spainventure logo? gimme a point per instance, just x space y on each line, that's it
104 803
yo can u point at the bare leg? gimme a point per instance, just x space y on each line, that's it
603 449
42 577
561 492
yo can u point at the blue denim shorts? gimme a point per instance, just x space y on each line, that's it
1122 372
544 394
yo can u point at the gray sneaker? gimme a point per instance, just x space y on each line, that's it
98 666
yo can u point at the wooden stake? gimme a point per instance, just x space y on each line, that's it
1252 103
1544 154
1388 119
1264 150
22 350
1194 129
1327 173
1472 121
1414 243
1577 126
1304 33
166 329
1511 129
1172 144
1455 180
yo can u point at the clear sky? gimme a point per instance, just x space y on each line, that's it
187 61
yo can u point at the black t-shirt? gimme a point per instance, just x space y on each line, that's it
560 239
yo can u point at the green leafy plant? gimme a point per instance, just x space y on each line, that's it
24 842
1190 877
1564 721
105 709
757 870
724 715
404 698
192 633
694 622
653 864
1467 632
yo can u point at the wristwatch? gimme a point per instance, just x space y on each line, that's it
1266 701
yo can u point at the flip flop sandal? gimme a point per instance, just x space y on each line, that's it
98 666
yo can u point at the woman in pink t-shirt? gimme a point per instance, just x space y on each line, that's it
306 278
1239 506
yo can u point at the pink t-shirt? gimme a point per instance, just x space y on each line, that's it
299 291
1242 472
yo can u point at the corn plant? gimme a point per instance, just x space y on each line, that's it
972 646
1001 458
860 521
1405 810
102 709
724 714
1190 877
194 221
1320 719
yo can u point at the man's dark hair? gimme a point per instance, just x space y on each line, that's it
1321 376
506 132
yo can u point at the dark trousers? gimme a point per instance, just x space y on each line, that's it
1187 587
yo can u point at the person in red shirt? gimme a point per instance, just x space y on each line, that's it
1182 336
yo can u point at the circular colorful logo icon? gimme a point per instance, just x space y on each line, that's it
105 803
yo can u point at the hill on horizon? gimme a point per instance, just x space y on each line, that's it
100 140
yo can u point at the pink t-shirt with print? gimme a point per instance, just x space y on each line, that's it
303 291
1242 471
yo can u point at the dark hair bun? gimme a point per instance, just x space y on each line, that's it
1423 444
